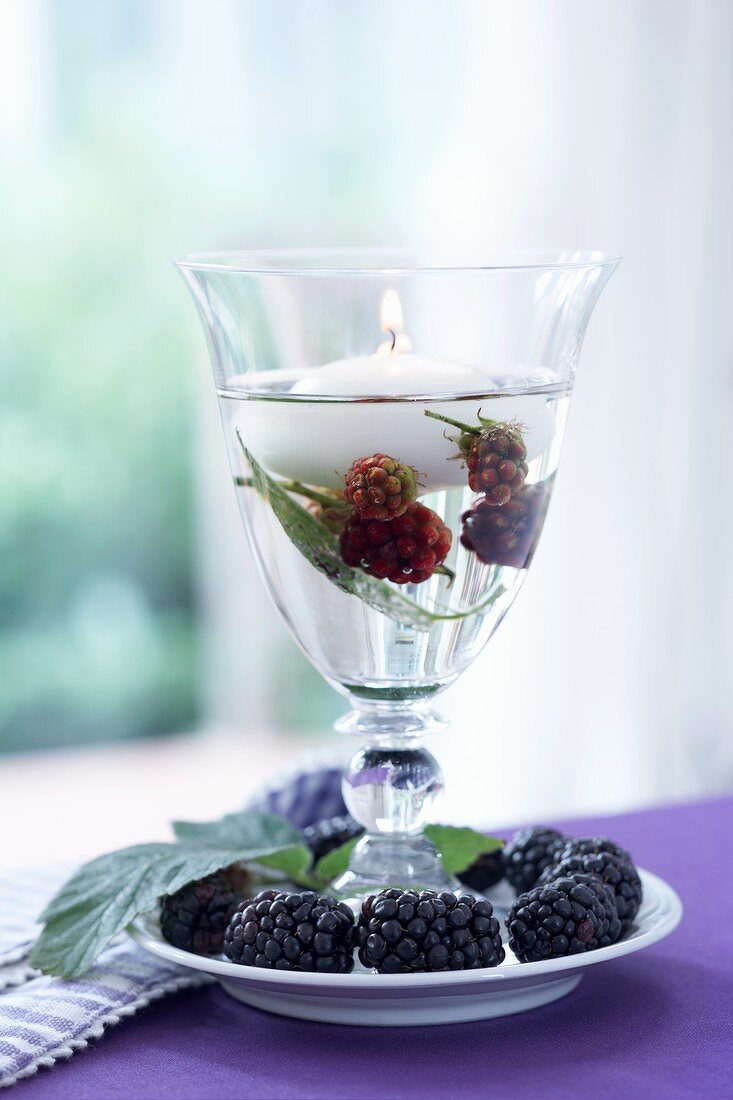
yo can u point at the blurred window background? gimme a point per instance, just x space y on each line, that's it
132 131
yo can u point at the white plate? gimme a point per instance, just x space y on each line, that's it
409 1000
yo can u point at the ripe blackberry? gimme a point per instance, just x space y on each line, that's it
402 932
618 873
568 916
330 833
484 872
529 852
507 535
405 550
195 917
280 931
380 488
592 845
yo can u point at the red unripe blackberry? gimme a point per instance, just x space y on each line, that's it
506 535
380 488
496 461
404 550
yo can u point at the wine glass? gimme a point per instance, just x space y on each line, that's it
393 423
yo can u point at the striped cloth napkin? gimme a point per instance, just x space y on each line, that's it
43 1019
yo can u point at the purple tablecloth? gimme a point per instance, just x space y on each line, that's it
658 1024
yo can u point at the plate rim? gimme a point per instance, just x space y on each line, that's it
654 887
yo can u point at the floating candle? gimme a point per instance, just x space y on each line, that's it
316 441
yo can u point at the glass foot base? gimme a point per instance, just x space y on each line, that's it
378 862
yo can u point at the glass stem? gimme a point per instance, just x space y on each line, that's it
391 787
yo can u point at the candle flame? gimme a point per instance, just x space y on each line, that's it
391 315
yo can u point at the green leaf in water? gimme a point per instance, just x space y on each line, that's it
321 548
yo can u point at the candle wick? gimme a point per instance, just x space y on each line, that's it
393 334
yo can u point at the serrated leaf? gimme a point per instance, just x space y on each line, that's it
336 861
460 846
252 829
321 548
103 896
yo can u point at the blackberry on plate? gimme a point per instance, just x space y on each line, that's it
485 871
592 845
529 852
331 832
282 931
194 917
618 872
403 932
567 916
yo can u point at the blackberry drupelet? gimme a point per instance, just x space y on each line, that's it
281 931
529 852
618 872
403 932
331 832
592 845
484 872
195 917
568 916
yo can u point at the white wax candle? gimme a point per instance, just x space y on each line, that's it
316 441
389 374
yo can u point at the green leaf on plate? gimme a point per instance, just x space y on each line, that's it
459 847
267 831
336 861
103 896
321 548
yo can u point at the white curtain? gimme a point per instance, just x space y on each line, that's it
576 124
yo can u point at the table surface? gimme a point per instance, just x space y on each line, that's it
654 1024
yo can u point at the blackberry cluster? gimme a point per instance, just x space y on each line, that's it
496 461
380 488
330 833
485 871
194 918
405 550
612 864
281 931
506 535
529 852
568 916
402 932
